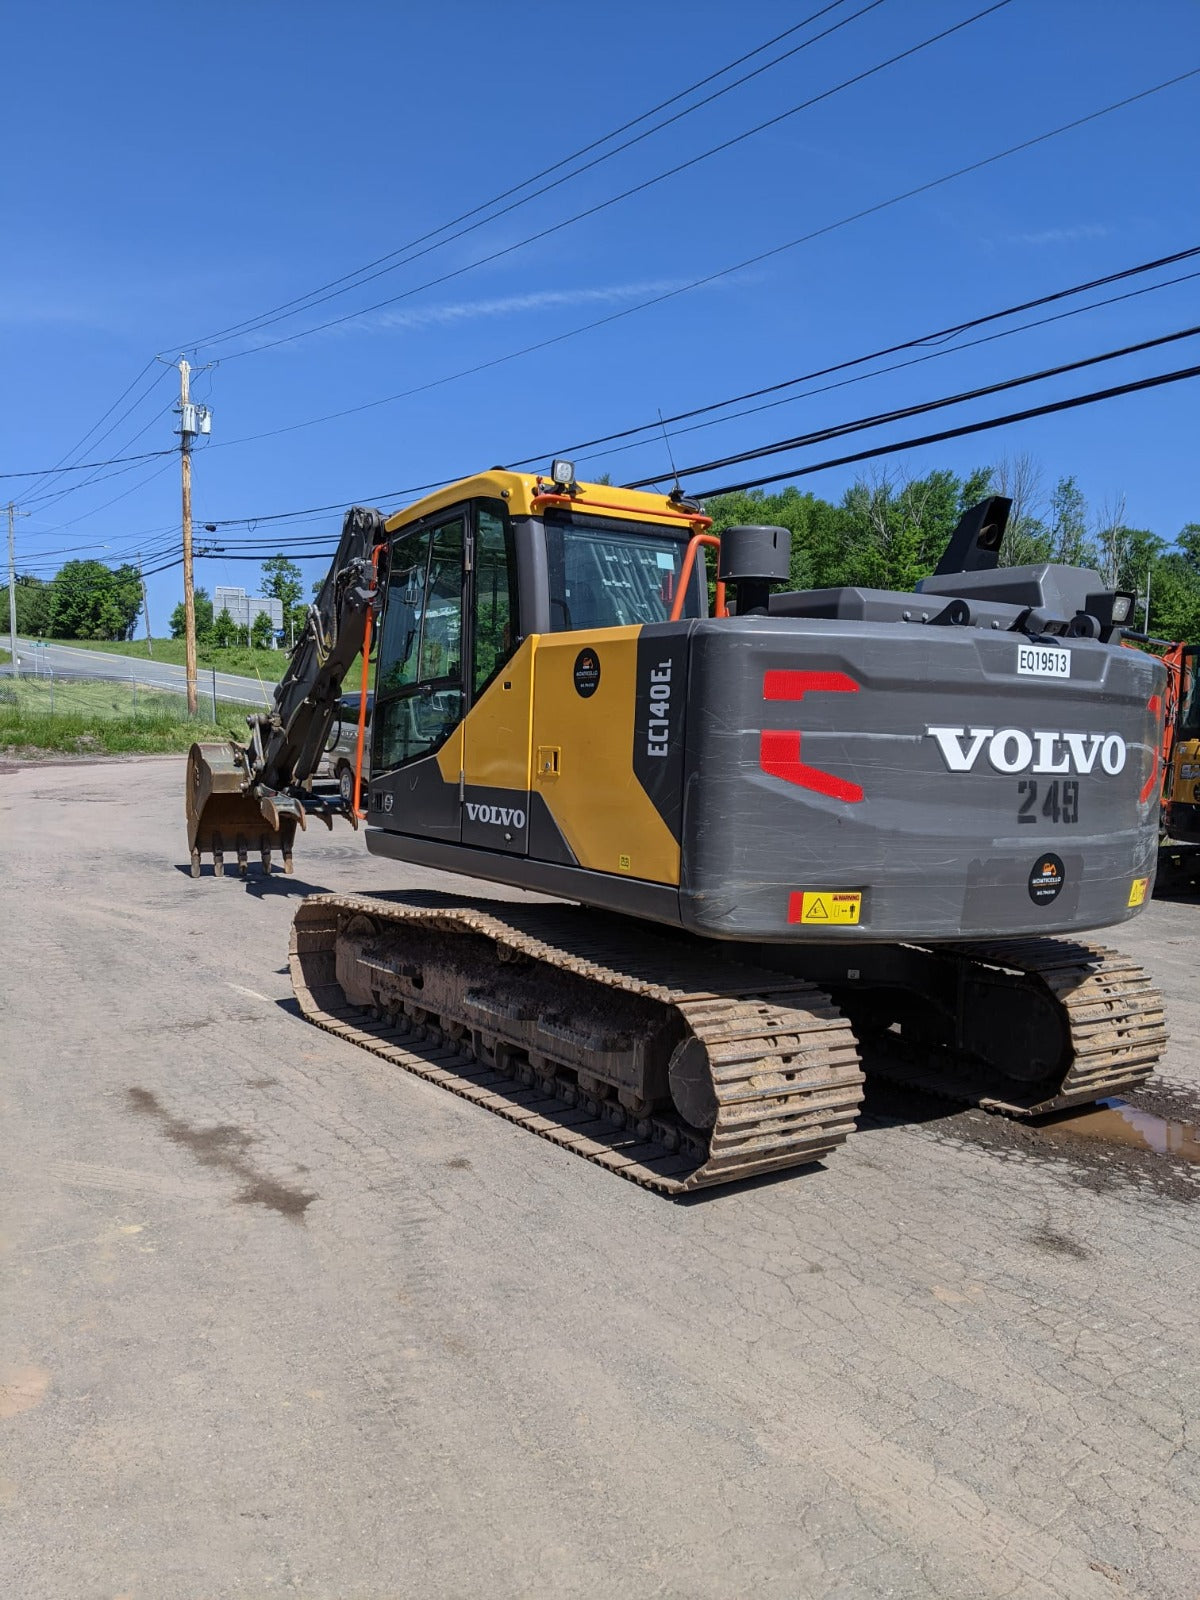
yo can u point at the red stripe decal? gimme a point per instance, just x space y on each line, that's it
779 755
779 752
795 685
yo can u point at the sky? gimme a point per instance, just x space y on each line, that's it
172 172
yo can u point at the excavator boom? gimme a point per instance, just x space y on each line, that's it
253 796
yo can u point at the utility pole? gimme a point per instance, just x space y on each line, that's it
13 514
193 419
187 431
145 607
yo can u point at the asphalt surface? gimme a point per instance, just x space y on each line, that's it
278 1318
66 661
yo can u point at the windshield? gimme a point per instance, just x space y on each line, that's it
614 575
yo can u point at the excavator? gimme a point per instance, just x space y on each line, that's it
739 832
1179 850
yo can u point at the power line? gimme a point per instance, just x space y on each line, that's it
306 301
53 497
83 441
84 466
296 543
841 366
709 278
880 418
879 372
915 342
46 500
142 482
814 16
44 559
638 188
716 276
900 413
893 447
625 434
144 533
36 494
787 245
962 431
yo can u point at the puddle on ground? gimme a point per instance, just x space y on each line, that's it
1152 1145
1118 1122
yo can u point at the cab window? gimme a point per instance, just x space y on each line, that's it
616 575
419 683
495 601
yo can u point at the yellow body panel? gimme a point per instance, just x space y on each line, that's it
495 750
520 490
600 808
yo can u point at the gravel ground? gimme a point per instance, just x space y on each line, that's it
277 1318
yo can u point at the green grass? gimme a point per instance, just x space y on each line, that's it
5 658
237 658
97 718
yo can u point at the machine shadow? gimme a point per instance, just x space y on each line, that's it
1180 894
258 883
890 1104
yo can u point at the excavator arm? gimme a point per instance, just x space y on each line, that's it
254 795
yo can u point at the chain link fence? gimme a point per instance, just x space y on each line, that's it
88 700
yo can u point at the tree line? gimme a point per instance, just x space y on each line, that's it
87 600
84 600
886 532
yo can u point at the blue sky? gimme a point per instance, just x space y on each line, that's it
172 171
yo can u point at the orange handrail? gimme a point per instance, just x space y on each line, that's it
582 503
362 693
685 575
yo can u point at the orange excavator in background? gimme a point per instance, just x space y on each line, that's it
1179 850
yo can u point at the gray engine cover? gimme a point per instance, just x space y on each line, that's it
918 767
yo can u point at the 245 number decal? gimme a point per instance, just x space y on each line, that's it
1059 804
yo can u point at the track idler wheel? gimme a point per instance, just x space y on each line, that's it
692 1089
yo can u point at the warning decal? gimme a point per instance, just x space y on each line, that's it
824 908
1137 891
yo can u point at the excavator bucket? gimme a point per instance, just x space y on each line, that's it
221 816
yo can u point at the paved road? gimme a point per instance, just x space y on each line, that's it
65 660
278 1318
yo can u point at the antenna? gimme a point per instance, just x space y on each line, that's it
670 454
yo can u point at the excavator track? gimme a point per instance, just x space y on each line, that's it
1104 1035
527 997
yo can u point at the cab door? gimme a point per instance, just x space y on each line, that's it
495 812
420 681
